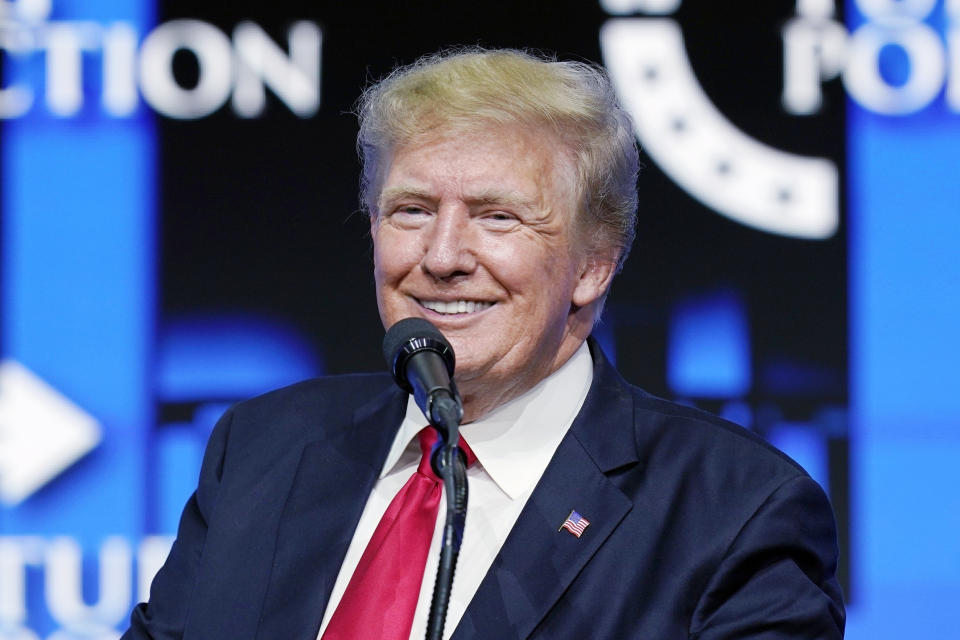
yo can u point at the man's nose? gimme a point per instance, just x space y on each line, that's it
450 250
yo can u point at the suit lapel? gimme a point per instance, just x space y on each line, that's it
537 562
329 491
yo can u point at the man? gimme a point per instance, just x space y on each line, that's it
501 194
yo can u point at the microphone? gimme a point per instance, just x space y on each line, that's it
422 362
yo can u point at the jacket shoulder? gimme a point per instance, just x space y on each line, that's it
705 431
306 411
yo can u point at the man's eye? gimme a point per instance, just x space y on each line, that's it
411 210
500 217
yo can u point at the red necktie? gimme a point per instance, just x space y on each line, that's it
382 595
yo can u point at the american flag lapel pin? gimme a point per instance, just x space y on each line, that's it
575 524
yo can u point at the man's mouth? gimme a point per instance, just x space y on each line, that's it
456 306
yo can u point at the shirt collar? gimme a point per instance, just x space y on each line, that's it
515 442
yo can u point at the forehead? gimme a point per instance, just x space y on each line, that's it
512 163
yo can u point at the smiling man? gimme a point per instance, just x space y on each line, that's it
473 231
502 199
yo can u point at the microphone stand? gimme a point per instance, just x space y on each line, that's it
448 463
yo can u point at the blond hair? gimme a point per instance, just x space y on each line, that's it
469 88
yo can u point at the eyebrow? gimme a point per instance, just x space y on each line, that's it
401 193
488 197
501 197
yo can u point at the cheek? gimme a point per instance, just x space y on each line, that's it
393 256
520 266
542 274
380 263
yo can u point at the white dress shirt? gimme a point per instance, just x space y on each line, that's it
514 443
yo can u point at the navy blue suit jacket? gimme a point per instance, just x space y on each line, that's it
698 528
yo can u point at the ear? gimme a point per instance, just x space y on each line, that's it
596 273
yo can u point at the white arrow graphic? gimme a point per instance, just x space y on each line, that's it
41 433
702 151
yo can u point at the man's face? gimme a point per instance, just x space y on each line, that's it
473 233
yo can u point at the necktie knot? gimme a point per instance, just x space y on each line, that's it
428 442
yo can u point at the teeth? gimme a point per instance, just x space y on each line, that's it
455 306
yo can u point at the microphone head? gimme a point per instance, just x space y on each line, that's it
408 337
